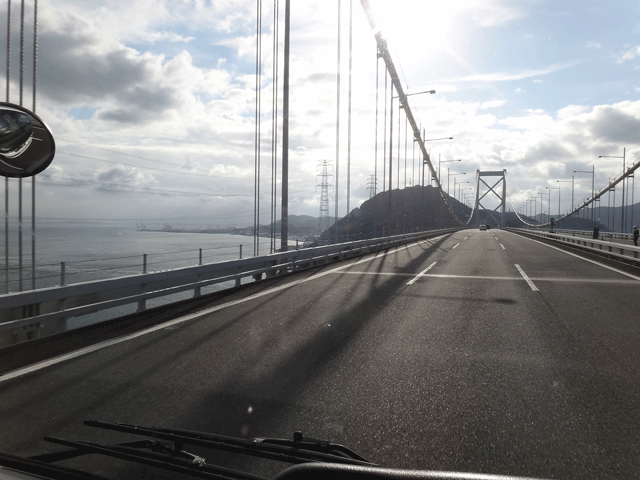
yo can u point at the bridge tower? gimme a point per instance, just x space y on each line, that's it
323 220
494 188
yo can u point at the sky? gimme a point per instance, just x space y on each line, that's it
152 103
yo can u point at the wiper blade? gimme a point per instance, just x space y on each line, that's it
319 446
299 450
157 455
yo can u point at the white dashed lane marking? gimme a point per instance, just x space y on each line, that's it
524 275
413 280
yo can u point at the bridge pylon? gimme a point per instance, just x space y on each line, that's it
494 188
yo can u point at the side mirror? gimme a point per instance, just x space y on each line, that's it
26 144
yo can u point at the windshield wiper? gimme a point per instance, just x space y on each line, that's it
299 450
174 457
148 452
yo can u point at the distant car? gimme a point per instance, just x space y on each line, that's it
483 227
488 227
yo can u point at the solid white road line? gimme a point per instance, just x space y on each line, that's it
635 277
201 313
524 275
595 281
412 281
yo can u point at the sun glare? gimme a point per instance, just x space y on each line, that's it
414 28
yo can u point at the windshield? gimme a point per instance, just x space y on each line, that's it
191 135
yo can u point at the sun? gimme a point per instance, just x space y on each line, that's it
414 28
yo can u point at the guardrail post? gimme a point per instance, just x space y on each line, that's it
144 263
142 304
91 297
240 251
61 322
200 257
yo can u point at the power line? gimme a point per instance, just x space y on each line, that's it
203 218
115 162
74 182
133 156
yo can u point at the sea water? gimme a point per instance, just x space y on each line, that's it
100 249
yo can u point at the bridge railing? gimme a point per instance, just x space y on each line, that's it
45 311
609 236
620 251
601 236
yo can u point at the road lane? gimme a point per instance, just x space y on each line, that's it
545 365
466 368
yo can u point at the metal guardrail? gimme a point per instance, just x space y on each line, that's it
602 235
56 304
619 251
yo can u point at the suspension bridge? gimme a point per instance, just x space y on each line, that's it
510 351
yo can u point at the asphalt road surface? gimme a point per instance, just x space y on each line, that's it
476 352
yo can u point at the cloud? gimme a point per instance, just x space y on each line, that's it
492 104
615 126
507 77
160 87
629 54
173 37
123 176
592 44
82 65
492 14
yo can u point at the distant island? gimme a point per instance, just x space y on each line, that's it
299 227
392 212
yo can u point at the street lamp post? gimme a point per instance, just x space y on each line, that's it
624 167
454 175
593 178
457 195
439 174
554 188
566 181
465 196
535 207
541 210
573 181
530 209
403 102
424 160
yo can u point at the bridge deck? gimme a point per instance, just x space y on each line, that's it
477 351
